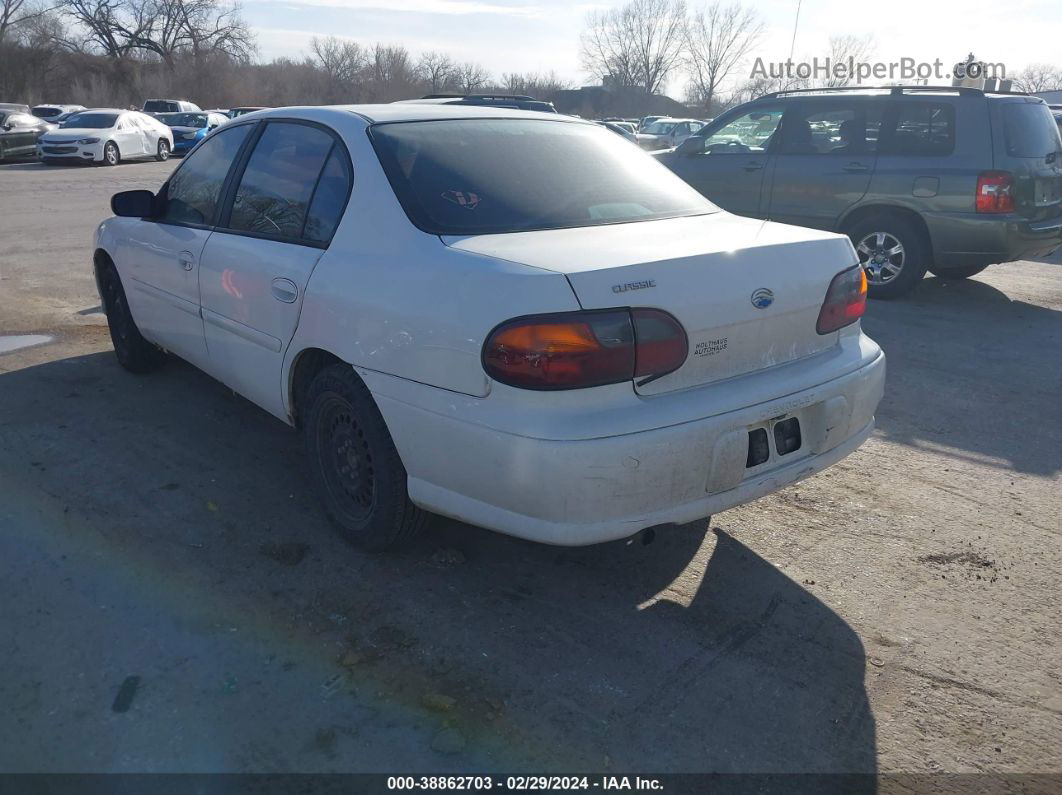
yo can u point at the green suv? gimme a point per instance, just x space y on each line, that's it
948 180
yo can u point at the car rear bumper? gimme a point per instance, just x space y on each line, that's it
586 491
961 239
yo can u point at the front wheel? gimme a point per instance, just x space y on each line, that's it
957 273
111 155
354 464
893 253
163 151
134 353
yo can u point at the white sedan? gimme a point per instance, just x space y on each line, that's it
106 135
505 317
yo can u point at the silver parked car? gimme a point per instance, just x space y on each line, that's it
668 133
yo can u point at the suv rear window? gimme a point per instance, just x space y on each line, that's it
922 128
160 106
484 176
1029 130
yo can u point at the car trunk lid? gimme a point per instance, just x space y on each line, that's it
748 293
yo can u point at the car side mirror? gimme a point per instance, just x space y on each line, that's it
133 204
693 145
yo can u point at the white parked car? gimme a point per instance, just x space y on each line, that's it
501 316
53 113
107 136
666 133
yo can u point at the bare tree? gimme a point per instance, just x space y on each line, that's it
18 12
341 61
1038 77
471 77
637 44
164 28
844 50
718 39
436 69
533 84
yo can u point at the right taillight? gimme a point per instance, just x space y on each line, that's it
573 350
846 300
995 192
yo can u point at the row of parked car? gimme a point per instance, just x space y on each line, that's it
57 133
943 179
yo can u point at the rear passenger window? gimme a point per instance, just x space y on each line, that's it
848 129
276 188
329 199
193 191
923 128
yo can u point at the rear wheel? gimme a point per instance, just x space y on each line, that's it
354 464
111 155
134 353
957 273
163 151
893 253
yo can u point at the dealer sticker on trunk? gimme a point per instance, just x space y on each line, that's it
710 347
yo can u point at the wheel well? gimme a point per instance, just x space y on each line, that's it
309 363
869 210
100 260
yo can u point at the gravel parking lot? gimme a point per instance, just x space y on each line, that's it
897 613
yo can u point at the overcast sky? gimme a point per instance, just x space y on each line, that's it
540 35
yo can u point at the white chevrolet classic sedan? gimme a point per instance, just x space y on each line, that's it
509 318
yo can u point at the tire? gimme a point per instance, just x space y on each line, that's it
354 465
134 353
890 275
957 273
111 155
162 151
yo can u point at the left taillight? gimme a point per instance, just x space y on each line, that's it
846 300
574 350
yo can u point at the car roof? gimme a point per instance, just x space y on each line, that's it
412 111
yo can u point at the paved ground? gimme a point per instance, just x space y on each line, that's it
900 612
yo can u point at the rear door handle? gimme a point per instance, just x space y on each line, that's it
285 290
752 165
856 167
186 259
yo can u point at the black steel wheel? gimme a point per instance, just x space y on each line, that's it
354 463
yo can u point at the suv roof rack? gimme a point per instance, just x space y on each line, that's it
893 90
510 97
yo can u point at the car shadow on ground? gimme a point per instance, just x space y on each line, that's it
689 654
967 367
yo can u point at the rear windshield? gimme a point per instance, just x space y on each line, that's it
43 112
483 176
91 121
1029 130
159 106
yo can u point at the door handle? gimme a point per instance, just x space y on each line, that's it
855 167
285 290
752 165
186 259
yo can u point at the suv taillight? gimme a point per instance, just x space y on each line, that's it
573 350
846 300
995 192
